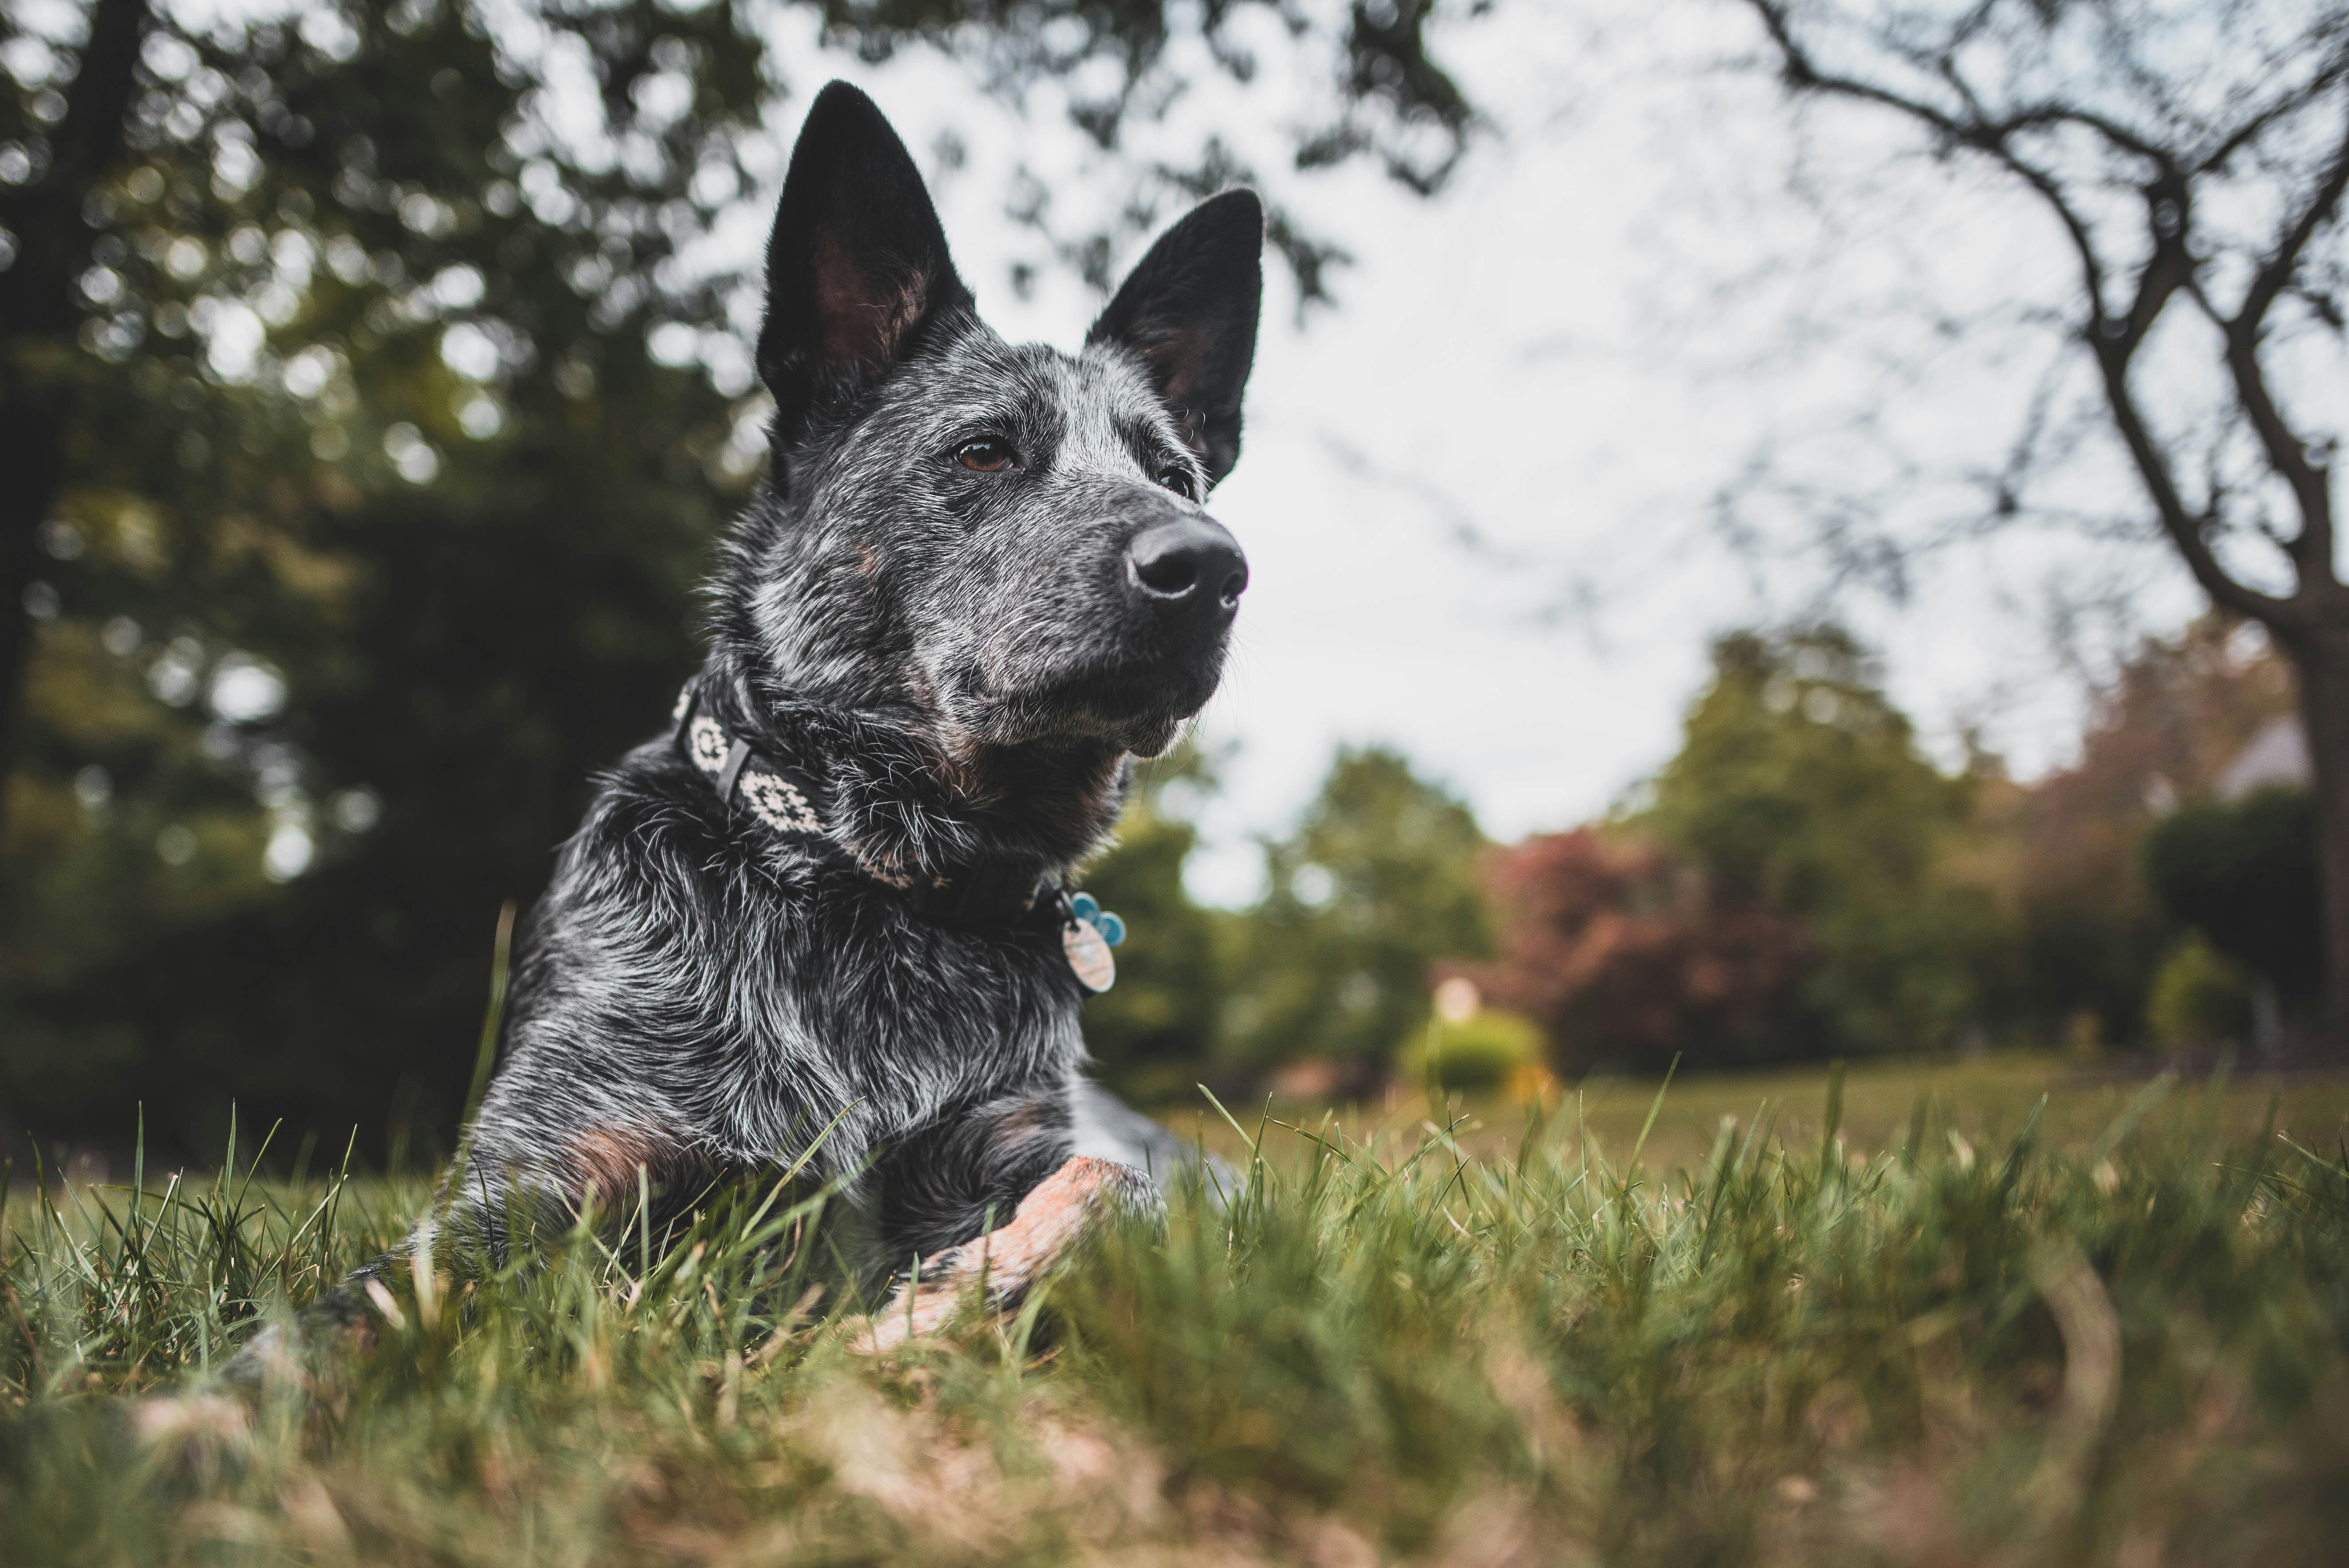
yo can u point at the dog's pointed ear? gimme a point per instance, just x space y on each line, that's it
856 263
1189 310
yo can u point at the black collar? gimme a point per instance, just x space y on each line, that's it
789 798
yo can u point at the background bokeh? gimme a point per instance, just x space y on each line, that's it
1654 635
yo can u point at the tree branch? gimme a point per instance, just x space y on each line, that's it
2183 526
2277 271
1803 75
2168 269
2243 135
2312 548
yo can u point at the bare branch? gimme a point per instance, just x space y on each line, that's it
2183 526
2243 135
2312 548
2277 271
1802 74
2113 341
2120 136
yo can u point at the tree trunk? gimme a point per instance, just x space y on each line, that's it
2321 659
30 435
39 314
37 325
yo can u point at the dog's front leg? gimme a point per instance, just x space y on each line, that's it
1003 1263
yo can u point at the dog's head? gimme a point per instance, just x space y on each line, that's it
1004 544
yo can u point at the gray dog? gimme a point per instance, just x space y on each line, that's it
977 582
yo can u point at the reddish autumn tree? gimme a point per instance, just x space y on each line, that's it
1621 953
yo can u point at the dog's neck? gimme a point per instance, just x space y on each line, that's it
901 800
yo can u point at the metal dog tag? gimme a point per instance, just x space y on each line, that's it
1089 956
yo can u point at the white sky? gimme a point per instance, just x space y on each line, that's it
1572 350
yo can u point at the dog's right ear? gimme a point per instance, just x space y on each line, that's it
1189 310
856 263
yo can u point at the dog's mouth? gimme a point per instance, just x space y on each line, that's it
1135 704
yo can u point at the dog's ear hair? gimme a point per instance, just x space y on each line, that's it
1189 310
857 260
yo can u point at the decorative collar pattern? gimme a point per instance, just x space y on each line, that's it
789 800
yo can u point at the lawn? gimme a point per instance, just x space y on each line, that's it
1915 1328
1984 1098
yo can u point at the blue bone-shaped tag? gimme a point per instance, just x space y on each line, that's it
1087 908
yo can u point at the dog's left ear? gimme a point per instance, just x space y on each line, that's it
857 260
1189 310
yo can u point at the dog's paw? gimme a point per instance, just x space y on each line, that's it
203 1433
1049 1222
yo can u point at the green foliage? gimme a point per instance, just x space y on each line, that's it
371 422
1153 1032
2198 997
1377 883
1478 1052
1789 1352
2243 873
1798 787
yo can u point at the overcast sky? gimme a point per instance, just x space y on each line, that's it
1566 358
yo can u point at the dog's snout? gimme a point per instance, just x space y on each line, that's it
1188 562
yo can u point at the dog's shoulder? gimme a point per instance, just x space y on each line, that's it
654 819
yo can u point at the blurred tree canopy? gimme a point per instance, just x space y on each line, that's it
1156 1030
369 402
1801 881
1799 788
1376 884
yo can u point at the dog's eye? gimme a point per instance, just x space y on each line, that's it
1176 479
987 455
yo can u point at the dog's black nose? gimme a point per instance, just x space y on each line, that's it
1188 562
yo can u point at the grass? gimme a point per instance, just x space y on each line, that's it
1920 1342
1987 1098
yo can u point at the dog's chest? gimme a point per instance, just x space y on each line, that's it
899 1016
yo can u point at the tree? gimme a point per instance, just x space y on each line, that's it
1798 788
367 411
1377 883
1627 956
2193 158
1154 1032
2242 873
2067 851
375 513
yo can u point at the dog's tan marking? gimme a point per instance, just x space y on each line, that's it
1048 1222
607 1156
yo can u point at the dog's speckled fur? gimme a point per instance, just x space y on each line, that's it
967 660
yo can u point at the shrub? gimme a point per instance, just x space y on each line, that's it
1481 1052
2198 997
